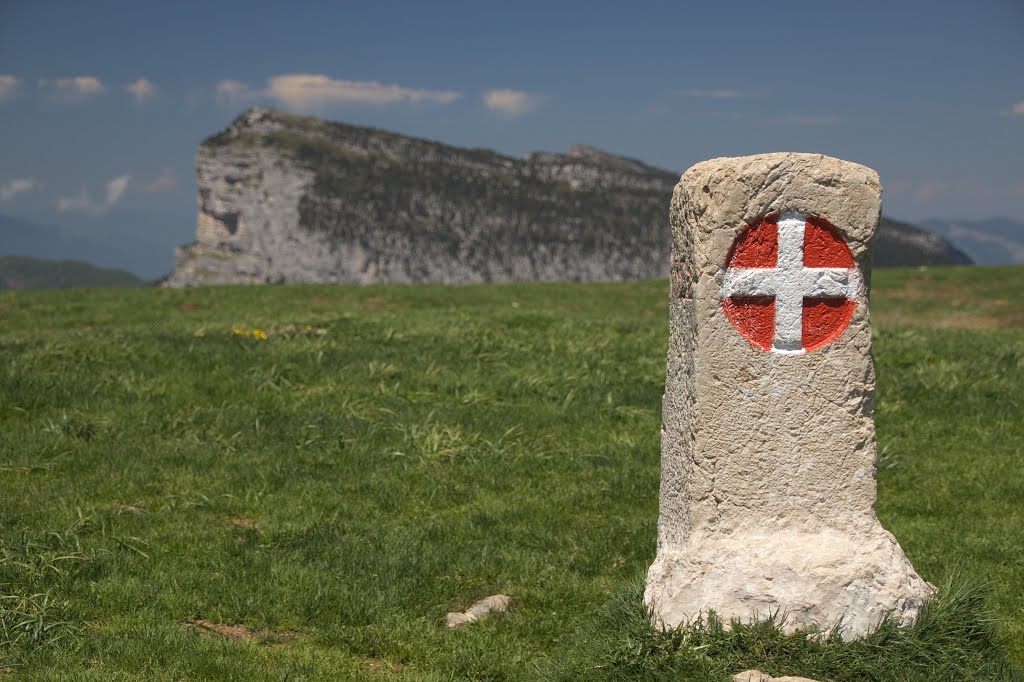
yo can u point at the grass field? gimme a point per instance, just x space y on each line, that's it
182 498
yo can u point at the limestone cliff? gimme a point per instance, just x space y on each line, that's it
286 198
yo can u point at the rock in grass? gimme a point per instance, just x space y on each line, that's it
495 603
758 676
768 437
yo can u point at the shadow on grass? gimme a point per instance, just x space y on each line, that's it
953 639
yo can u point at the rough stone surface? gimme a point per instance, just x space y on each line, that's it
286 198
245 233
768 458
496 603
758 676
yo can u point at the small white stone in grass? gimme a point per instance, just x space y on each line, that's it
495 603
751 676
758 676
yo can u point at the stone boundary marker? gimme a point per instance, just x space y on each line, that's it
768 440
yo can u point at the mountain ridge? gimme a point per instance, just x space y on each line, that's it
26 272
992 241
287 198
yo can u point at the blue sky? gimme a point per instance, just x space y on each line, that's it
102 104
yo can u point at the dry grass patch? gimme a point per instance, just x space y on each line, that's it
950 298
375 303
298 329
381 665
239 631
136 507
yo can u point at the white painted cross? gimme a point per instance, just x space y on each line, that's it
789 282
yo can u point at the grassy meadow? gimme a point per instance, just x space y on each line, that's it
298 483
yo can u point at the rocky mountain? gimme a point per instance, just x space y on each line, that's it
901 244
286 198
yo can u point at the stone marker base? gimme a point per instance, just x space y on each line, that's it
808 578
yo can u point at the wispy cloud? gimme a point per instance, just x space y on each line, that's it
13 188
231 93
84 202
74 89
303 92
711 94
165 181
1013 248
511 103
141 90
1016 109
80 203
8 84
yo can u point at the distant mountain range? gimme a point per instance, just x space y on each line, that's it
139 242
286 198
998 241
900 244
23 272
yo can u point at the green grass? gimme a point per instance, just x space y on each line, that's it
952 639
338 493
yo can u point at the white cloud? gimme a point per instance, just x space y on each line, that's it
511 102
8 84
13 188
303 92
141 90
116 188
74 89
711 94
84 202
83 85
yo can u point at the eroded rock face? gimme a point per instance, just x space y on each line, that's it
285 198
247 229
768 443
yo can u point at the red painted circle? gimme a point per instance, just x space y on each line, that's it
754 316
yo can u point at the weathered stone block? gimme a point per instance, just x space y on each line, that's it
768 441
